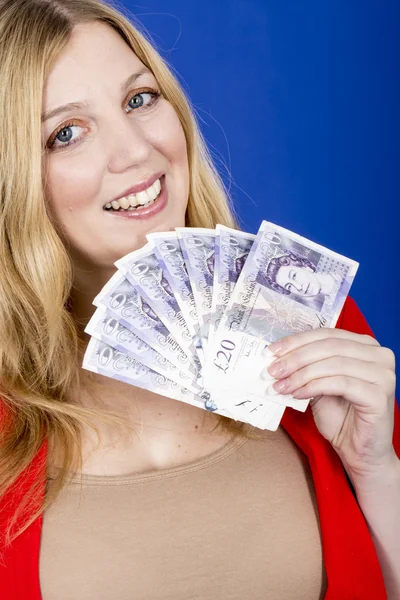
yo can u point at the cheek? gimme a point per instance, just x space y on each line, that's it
305 277
314 279
68 193
169 137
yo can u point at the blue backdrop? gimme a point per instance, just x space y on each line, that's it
299 104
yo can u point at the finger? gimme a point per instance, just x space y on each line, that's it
291 342
369 372
329 347
363 395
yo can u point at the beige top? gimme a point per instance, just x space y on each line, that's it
241 523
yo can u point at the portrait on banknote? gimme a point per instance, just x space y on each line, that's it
302 273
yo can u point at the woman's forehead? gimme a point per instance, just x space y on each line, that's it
95 48
89 64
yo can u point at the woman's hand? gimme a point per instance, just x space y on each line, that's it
351 381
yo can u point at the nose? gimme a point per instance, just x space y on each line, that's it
298 285
128 144
301 281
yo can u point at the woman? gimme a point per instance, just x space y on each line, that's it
191 505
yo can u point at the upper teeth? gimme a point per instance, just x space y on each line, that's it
141 198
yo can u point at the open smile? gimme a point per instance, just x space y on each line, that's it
142 205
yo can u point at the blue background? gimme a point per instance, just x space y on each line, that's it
299 103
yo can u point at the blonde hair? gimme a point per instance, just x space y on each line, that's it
40 343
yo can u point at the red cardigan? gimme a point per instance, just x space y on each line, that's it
350 559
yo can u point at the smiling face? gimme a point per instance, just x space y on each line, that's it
121 138
298 280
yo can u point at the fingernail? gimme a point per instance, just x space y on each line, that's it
280 386
277 369
271 391
275 347
265 375
266 353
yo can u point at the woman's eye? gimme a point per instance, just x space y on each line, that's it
63 136
65 139
153 95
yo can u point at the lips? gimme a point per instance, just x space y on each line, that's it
136 201
143 212
140 187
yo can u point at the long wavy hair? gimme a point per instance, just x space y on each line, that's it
40 344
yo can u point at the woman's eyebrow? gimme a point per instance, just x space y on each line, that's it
75 105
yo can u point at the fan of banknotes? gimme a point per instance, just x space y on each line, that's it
190 315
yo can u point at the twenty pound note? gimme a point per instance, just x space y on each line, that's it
103 359
167 248
145 273
110 362
232 248
121 300
108 330
198 249
288 284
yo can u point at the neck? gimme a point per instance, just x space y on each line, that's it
141 408
161 433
